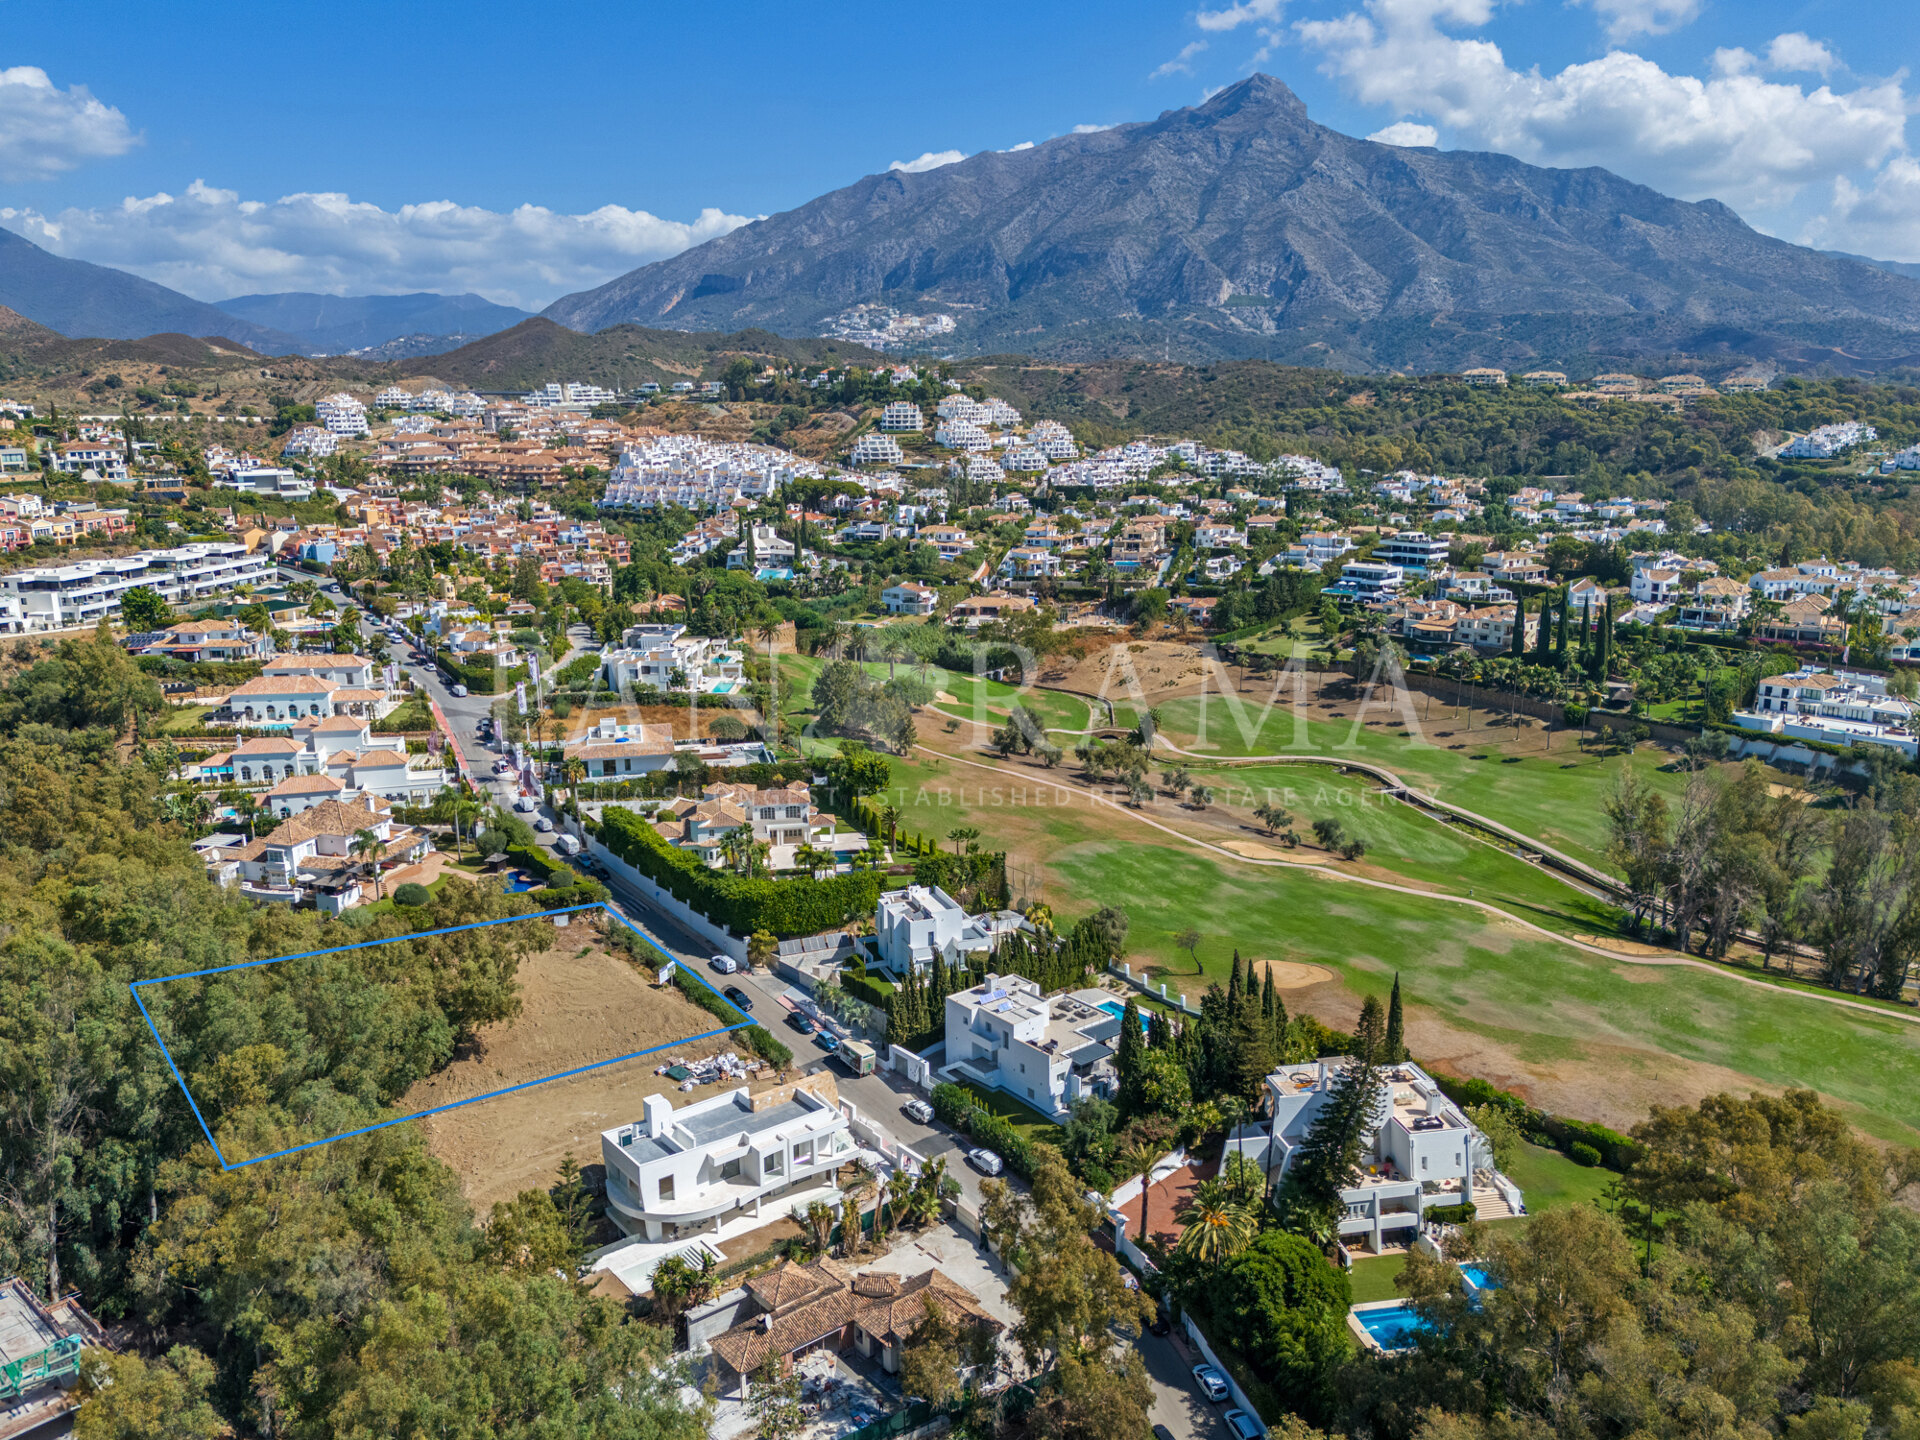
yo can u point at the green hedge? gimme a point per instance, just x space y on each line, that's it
758 1039
956 1107
1450 1214
1610 1147
867 988
790 907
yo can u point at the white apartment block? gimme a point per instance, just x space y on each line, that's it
1828 441
341 414
1420 1151
1414 551
961 435
56 597
1836 707
901 415
874 448
569 396
1004 1034
312 441
666 657
680 1173
914 924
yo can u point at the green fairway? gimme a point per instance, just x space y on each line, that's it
1504 774
986 701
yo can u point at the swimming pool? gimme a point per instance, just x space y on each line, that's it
1478 1278
519 885
1392 1327
1119 1012
725 687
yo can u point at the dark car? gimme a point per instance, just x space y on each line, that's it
1161 1432
1162 1323
800 1022
738 997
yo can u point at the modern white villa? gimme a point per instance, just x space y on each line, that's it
1422 1152
677 1174
1006 1035
913 924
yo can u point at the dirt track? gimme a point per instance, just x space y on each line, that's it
576 1009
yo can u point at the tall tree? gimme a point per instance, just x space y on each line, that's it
1126 1056
1395 1049
1519 627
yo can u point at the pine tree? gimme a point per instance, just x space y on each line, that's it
1370 1034
1126 1057
1253 1055
1396 1042
1329 1155
1268 999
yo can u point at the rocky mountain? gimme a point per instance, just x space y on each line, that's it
78 298
1242 228
338 324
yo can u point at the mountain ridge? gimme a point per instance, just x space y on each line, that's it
338 324
1240 227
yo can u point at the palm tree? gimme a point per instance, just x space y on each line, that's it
899 1191
890 822
924 1204
960 834
854 1191
1217 1226
1139 1160
817 1221
370 849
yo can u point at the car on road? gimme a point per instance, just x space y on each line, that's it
801 1021
738 997
543 824
1161 1432
1243 1425
918 1111
1162 1322
526 804
591 866
986 1162
829 1042
725 964
1211 1382
459 692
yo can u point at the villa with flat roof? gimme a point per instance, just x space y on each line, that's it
1004 1034
1420 1151
681 1173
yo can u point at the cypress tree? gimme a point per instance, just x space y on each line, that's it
1126 1056
1396 1042
942 981
1543 635
1233 984
1566 604
1520 627
1267 998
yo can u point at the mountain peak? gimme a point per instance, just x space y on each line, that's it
1259 94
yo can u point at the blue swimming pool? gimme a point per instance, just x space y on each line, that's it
519 885
1393 1327
725 687
1119 1012
1478 1278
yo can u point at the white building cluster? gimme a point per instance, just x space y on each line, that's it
341 414
697 474
1828 441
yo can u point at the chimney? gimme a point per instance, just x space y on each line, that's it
659 1116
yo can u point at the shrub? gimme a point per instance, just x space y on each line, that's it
412 893
1582 1153
1450 1214
755 1037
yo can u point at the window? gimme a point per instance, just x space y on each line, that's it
666 1187
774 1164
803 1153
730 1170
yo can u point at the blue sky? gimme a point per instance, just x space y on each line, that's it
523 152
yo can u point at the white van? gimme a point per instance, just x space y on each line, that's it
460 692
568 845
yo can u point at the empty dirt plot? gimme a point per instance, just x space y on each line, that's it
579 1004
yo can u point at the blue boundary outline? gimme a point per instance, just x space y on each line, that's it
225 1164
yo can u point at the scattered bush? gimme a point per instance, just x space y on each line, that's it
1450 1214
1582 1153
412 893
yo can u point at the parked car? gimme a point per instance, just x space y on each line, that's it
526 804
918 1111
1211 1382
986 1162
829 1041
725 964
738 997
1162 1322
543 825
1243 1425
459 692
1161 1432
802 1022
569 846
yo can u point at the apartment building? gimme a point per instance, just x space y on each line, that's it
1005 1035
900 416
77 457
910 598
341 414
1414 551
874 448
679 1173
55 597
1827 441
1363 581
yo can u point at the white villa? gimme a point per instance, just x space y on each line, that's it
665 657
1837 707
338 758
1004 1034
1422 1151
912 924
311 854
681 1173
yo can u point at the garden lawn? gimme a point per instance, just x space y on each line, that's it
1030 1123
1510 776
1548 1178
1373 1278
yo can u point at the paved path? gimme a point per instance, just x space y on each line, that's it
1668 959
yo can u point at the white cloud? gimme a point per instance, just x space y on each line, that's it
45 130
1092 129
1736 61
210 243
932 160
1751 142
1795 51
1881 218
1246 12
1016 149
1406 132
1625 19
1181 63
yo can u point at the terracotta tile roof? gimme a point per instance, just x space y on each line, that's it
791 1284
892 1312
306 785
267 745
270 685
358 697
313 662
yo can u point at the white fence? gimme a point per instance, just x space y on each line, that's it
1238 1395
1159 992
916 1069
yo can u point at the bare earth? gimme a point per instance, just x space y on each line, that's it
1292 975
576 1010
